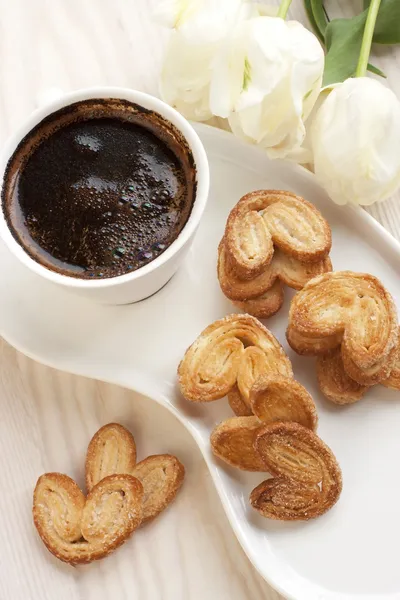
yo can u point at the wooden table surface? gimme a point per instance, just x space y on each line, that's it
191 552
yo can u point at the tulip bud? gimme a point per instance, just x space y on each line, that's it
355 138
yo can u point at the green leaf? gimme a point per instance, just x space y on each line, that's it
343 39
317 7
343 43
375 70
313 23
387 27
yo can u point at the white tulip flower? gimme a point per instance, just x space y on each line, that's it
355 139
203 21
185 77
266 80
200 27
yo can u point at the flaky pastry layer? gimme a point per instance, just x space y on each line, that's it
265 218
337 386
271 238
352 310
231 351
307 479
80 530
113 450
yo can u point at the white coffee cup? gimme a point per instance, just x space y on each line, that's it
148 279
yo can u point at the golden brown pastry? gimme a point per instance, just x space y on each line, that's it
338 387
112 450
266 218
287 269
161 476
271 238
307 479
233 442
334 382
352 310
282 399
231 351
312 346
393 381
79 530
237 404
264 306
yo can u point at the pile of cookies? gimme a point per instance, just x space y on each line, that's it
122 495
271 238
349 321
238 355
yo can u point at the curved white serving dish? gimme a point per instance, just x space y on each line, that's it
351 553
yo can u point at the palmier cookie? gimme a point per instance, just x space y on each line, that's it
393 381
282 267
350 310
281 399
307 479
338 387
263 295
251 269
79 530
112 450
272 399
229 352
265 218
233 442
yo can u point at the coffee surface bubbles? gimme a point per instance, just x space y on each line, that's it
100 191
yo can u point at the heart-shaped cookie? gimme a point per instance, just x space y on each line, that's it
352 310
229 352
113 450
287 269
271 238
265 218
271 399
307 479
79 530
337 386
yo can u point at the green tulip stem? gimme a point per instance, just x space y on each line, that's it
367 38
283 8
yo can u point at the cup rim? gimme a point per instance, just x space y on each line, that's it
142 99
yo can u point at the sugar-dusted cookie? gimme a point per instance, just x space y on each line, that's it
230 351
79 530
307 479
282 399
265 218
111 450
161 476
271 238
350 310
337 386
233 442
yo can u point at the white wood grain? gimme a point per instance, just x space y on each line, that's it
47 417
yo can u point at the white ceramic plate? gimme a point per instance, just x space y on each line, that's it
351 553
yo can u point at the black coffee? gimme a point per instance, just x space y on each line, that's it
99 189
